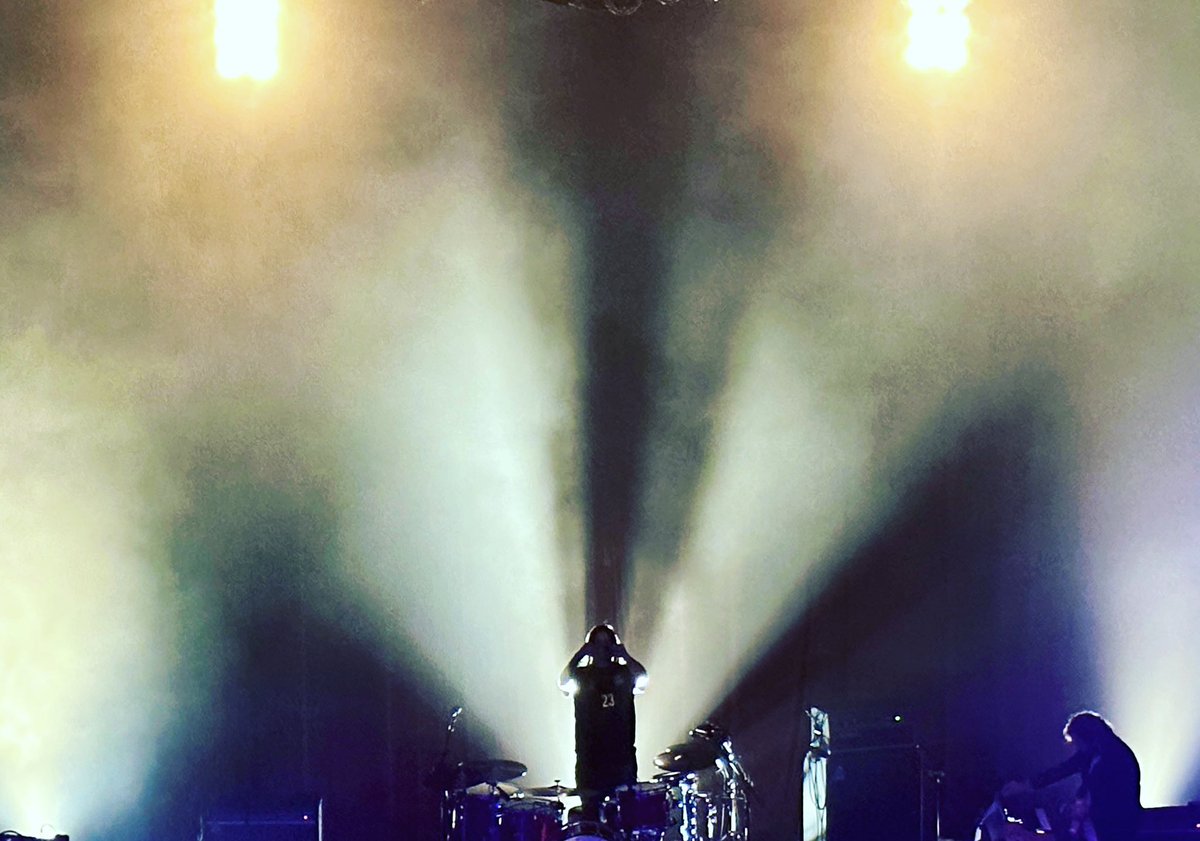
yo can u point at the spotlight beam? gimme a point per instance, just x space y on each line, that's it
458 522
1142 513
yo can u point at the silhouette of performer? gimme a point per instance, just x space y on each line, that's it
1107 803
603 679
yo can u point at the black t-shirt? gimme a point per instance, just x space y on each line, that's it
604 727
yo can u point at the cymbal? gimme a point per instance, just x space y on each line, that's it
492 771
550 791
688 756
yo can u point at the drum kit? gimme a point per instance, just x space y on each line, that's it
701 795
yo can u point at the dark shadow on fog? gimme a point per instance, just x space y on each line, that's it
961 614
282 687
611 119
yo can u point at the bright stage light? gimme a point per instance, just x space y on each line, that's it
247 38
938 33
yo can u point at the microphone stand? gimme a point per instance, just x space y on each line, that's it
450 724
441 776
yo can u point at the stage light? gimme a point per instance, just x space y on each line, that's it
246 35
938 31
622 7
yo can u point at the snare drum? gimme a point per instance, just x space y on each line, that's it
640 812
531 819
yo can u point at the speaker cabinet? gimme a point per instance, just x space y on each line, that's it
302 822
879 793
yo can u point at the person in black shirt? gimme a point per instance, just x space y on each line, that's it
603 678
1108 801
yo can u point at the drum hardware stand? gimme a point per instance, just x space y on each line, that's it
939 780
440 775
739 787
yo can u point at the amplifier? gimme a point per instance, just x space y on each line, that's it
1171 823
303 822
878 793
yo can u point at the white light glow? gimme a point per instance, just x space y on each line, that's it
86 645
938 32
246 35
758 547
457 535
1142 527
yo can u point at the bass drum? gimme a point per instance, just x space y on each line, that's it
587 831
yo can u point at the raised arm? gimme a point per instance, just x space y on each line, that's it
568 681
636 670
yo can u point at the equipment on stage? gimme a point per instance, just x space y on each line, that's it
713 786
1171 823
701 796
616 7
640 811
814 800
530 819
587 831
490 771
299 819
555 791
873 786
687 757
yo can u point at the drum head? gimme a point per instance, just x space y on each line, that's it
587 831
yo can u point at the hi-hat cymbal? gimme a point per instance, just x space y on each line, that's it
688 756
492 771
555 790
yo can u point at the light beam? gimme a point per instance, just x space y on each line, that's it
459 519
1142 526
87 642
